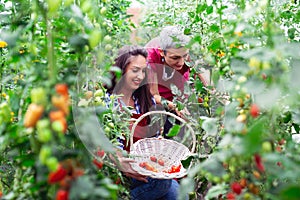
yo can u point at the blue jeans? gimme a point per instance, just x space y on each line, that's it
155 189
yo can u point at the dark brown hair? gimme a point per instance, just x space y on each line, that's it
142 94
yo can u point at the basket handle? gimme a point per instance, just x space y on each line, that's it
162 112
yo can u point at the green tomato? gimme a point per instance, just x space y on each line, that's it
243 174
107 39
209 176
44 135
98 102
42 124
68 2
53 5
86 6
206 98
108 47
226 177
52 163
44 154
38 96
94 38
107 129
5 112
98 93
104 24
111 125
247 196
216 179
267 146
205 104
231 168
57 126
103 10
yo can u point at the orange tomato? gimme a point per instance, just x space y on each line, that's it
33 114
56 115
61 89
61 103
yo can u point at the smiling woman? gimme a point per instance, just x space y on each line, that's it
134 92
133 83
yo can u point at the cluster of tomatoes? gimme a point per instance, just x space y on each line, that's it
148 166
66 172
237 188
46 120
98 162
39 100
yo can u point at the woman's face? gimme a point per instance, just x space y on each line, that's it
135 72
175 58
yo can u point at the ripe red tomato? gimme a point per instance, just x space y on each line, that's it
161 162
100 153
62 194
254 110
142 164
236 188
61 89
174 169
57 175
153 158
230 196
98 164
200 100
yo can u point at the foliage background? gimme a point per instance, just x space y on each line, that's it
251 47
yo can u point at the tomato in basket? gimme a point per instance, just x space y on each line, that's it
148 166
142 164
161 162
174 169
153 158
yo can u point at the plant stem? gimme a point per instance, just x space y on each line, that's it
270 42
50 53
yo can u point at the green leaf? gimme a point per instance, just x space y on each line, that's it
215 45
253 139
187 31
215 191
290 193
210 126
209 10
213 166
200 8
197 38
82 188
174 130
214 28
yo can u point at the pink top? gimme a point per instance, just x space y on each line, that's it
156 64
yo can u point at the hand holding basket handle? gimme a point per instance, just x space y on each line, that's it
158 157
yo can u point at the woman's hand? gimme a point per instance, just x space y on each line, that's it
123 164
125 167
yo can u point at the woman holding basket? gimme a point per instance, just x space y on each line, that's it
135 93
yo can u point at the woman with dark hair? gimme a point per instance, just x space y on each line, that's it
132 62
134 92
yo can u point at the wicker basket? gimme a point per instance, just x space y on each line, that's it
159 157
